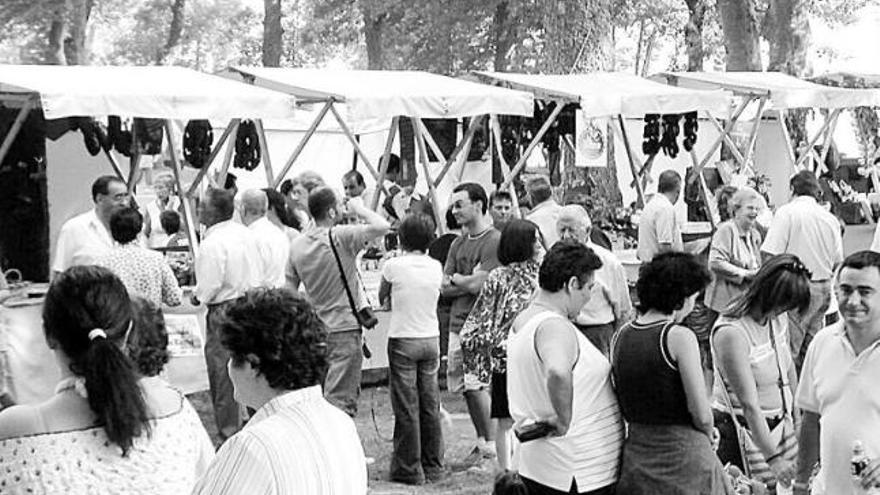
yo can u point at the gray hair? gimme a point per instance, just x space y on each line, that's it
741 196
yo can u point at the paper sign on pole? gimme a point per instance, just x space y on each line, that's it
591 141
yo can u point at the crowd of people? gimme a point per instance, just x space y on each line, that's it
574 384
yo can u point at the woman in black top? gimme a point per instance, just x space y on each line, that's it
660 387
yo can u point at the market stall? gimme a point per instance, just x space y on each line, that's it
58 93
615 96
768 95
356 99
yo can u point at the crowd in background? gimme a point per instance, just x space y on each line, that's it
573 382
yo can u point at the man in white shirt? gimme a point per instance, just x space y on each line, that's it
273 245
659 230
807 230
227 265
610 304
838 388
545 210
86 237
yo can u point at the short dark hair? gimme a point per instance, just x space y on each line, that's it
668 280
517 241
861 259
509 483
393 164
357 176
282 211
102 185
805 183
500 196
451 222
80 300
415 232
539 189
321 201
231 182
126 224
475 192
279 334
222 201
567 259
669 181
286 186
148 339
170 221
781 284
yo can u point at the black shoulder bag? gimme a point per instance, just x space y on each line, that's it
365 316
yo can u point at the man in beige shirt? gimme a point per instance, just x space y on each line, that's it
659 230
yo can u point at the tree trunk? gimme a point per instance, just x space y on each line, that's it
741 41
174 32
693 33
787 28
272 34
57 32
503 31
76 45
373 25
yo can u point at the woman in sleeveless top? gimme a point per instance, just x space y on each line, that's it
163 186
106 430
755 376
660 387
557 377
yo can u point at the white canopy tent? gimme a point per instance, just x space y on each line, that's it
356 98
168 93
779 92
614 95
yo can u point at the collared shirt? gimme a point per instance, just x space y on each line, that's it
609 297
83 239
805 229
144 272
274 248
225 264
545 215
733 254
841 387
312 263
658 225
297 443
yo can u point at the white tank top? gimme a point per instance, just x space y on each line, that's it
590 451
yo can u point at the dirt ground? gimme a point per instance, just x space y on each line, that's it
376 439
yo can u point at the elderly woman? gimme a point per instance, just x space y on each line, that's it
143 271
506 292
755 377
660 387
296 442
106 429
735 253
163 187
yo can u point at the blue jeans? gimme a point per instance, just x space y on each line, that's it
415 400
342 384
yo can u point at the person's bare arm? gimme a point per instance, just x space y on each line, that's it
385 293
683 349
557 349
808 451
470 284
375 223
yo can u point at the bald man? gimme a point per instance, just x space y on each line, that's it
273 245
610 305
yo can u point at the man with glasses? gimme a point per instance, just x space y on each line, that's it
86 237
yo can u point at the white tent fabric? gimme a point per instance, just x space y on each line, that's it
148 92
603 94
385 94
784 91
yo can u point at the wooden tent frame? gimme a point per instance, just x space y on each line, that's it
640 170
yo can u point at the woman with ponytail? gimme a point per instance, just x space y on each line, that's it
106 429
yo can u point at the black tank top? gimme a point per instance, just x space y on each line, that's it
646 379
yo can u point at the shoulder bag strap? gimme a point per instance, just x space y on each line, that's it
351 302
740 434
780 382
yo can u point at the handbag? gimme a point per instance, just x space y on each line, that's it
364 316
783 434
